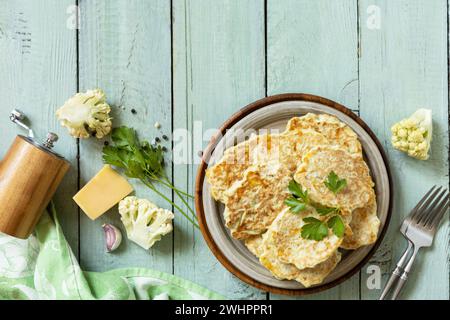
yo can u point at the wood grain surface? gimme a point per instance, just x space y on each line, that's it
190 64
399 74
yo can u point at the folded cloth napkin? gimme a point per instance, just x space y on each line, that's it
44 267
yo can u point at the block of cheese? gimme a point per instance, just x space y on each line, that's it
104 191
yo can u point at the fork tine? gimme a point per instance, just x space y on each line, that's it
425 202
443 207
414 210
432 209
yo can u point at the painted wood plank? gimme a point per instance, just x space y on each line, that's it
312 48
125 49
37 74
218 68
403 67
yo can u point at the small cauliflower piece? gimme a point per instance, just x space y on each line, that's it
144 222
413 135
86 114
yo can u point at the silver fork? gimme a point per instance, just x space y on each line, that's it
419 229
395 275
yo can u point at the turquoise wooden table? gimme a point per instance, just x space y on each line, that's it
179 62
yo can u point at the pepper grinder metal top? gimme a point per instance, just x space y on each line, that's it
18 117
51 138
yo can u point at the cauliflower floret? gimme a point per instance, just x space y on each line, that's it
413 135
86 114
144 222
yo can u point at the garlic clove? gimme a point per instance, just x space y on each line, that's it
113 237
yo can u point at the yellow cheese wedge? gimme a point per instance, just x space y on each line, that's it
104 191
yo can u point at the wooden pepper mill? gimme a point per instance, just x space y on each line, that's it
29 176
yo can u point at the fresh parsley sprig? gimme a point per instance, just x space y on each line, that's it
324 210
145 162
299 199
295 204
337 225
334 183
314 229
297 191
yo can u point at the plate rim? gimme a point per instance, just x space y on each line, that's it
200 177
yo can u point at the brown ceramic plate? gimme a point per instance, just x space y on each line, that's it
273 113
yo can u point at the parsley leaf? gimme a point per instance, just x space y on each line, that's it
124 137
134 170
314 229
111 156
334 184
337 225
297 191
299 197
324 210
295 204
311 220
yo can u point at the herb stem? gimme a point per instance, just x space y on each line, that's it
179 195
151 186
170 185
186 204
165 181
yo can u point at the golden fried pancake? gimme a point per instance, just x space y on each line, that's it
253 244
337 132
317 165
254 202
287 271
284 235
364 226
294 144
235 161
311 276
